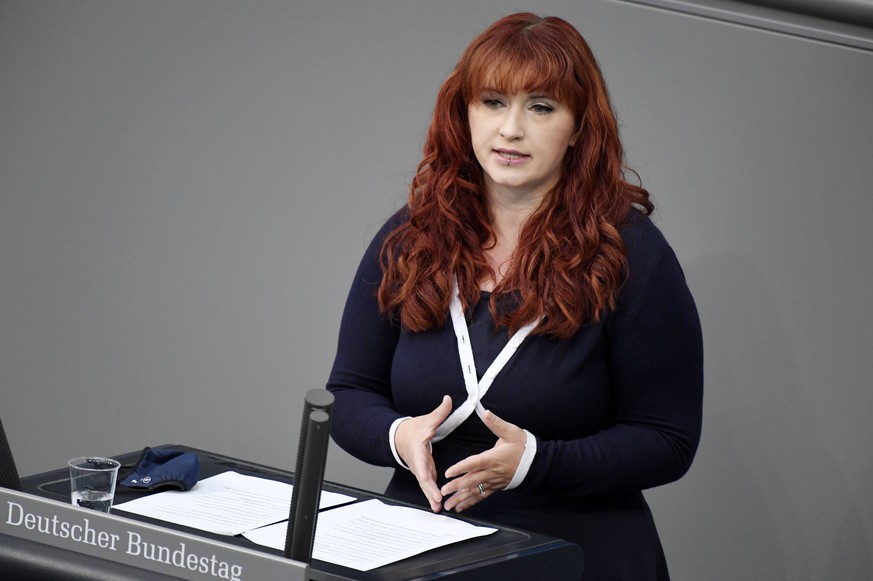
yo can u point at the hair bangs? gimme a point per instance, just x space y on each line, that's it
526 64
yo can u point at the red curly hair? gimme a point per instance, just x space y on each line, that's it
570 262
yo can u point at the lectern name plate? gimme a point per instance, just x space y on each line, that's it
137 544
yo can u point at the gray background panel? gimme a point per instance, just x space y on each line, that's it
186 189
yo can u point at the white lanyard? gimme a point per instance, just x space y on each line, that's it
476 390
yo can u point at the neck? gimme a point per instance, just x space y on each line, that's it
508 215
509 212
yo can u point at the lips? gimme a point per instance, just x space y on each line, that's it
509 156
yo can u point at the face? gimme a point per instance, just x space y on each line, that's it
520 141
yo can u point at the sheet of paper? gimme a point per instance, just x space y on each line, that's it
370 534
226 504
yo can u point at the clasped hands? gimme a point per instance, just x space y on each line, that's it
471 480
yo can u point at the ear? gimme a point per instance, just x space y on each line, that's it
575 137
578 135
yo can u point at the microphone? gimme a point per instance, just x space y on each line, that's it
308 474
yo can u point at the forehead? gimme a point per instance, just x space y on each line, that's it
512 73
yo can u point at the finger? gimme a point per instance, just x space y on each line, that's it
426 477
432 494
466 484
467 465
467 497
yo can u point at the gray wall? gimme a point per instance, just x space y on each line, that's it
186 189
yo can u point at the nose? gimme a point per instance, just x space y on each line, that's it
512 128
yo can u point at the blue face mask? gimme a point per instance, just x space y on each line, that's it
163 469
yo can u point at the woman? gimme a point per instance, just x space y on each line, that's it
519 341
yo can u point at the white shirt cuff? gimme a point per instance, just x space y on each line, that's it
530 450
391 431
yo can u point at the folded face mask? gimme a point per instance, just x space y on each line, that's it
164 469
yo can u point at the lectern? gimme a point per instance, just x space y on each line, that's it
44 537
505 555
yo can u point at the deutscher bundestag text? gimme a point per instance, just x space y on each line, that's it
82 531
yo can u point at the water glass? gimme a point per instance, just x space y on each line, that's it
92 482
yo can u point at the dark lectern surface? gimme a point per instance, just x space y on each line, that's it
505 555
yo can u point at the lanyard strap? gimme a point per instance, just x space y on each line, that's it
476 389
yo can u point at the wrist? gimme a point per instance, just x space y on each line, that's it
392 432
524 464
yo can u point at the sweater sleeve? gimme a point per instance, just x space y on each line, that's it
655 360
361 376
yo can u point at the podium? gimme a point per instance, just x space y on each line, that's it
505 555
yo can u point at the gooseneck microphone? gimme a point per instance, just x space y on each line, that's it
308 474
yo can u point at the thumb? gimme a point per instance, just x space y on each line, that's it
499 427
442 411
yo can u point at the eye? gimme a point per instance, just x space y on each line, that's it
492 102
541 108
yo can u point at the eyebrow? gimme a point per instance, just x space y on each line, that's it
486 90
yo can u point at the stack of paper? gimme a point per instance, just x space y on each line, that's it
227 504
370 534
362 536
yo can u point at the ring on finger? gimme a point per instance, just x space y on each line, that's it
481 488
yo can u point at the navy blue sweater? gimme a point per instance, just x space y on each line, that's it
615 409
